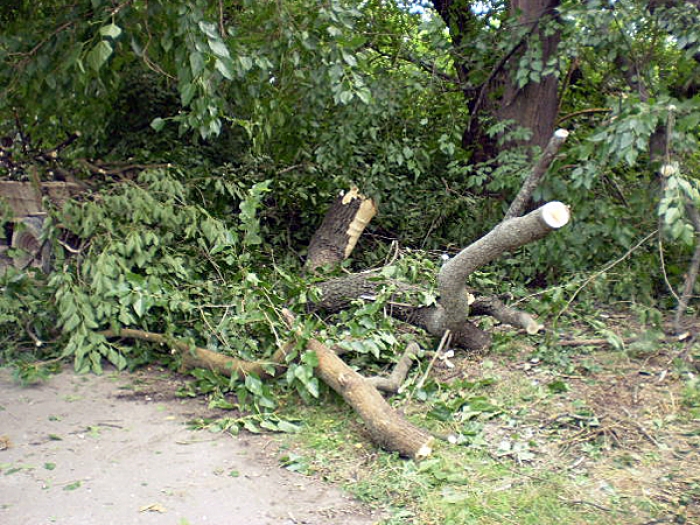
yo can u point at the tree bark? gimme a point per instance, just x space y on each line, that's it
533 106
195 357
342 226
386 427
522 199
453 307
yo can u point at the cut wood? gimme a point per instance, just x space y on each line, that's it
454 298
195 357
387 428
342 226
521 200
392 384
498 310
507 236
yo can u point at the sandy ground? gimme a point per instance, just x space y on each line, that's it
85 450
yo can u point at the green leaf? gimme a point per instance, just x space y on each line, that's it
99 54
246 62
254 385
139 306
111 31
219 49
287 426
73 486
196 63
558 387
158 123
187 93
223 66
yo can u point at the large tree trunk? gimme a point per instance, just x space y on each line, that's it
533 106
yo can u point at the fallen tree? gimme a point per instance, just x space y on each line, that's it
455 299
448 318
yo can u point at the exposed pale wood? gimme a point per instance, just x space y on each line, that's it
342 226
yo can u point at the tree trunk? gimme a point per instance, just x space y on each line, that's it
341 228
533 106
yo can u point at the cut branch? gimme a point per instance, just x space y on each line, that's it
386 427
521 201
342 226
196 357
497 309
392 384
693 269
505 237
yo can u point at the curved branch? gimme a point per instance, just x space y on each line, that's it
507 236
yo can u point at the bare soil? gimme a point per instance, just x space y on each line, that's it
116 449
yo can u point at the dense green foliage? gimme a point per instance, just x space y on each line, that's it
266 110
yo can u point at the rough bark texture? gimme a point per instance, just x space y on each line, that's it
533 106
341 228
386 427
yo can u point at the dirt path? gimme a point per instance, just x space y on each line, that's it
77 450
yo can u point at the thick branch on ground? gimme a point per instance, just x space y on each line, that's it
495 308
337 294
505 237
195 357
521 201
341 228
386 427
393 383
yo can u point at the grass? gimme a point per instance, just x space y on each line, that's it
604 436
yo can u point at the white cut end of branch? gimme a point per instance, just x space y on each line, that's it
561 133
533 327
424 451
555 214
668 169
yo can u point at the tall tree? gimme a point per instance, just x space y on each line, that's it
521 85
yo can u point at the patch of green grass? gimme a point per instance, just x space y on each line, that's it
537 443
455 486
